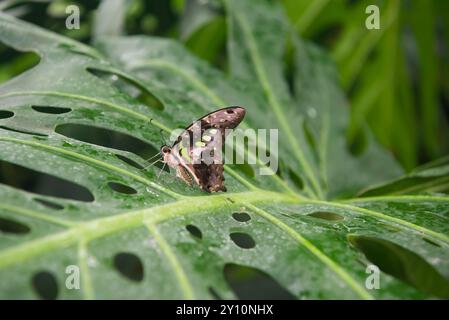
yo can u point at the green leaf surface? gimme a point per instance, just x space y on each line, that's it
319 111
432 178
136 236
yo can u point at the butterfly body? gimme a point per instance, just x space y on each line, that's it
196 153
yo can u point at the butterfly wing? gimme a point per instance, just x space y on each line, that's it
206 136
211 177
222 119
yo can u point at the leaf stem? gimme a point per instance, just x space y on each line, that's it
101 227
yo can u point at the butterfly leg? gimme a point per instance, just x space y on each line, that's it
171 177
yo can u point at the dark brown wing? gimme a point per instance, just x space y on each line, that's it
209 176
222 119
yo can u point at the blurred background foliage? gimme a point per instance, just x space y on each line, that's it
396 78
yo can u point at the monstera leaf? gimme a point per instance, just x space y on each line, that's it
74 121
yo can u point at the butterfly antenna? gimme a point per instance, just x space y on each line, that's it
152 163
151 158
161 171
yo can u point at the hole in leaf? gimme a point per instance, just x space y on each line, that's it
24 131
4 114
41 183
51 110
253 284
241 216
402 264
49 204
243 240
106 138
15 62
10 226
122 188
430 241
214 294
45 285
129 265
129 161
129 86
326 215
194 231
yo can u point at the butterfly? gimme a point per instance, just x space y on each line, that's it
196 153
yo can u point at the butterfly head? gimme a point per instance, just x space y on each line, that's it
167 156
165 150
